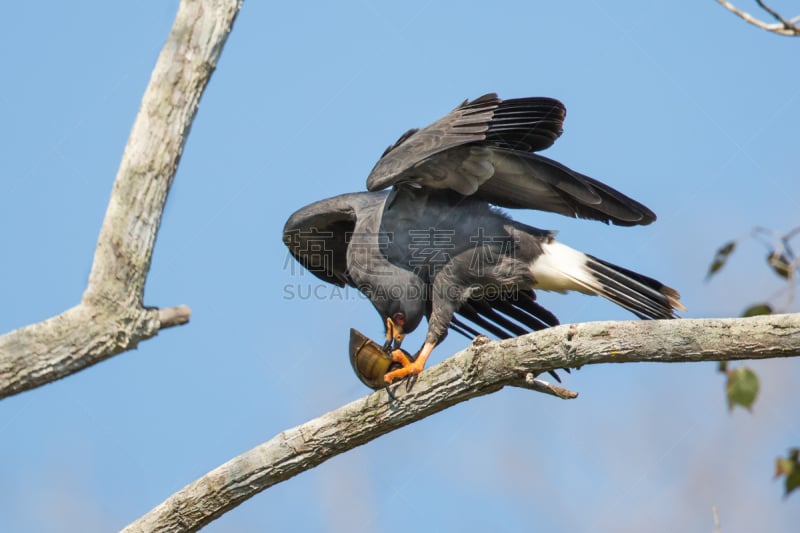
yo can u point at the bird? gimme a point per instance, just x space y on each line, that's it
431 237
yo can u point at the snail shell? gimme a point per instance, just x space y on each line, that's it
370 362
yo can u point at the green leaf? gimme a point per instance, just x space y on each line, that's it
780 264
742 387
792 480
790 468
720 257
758 309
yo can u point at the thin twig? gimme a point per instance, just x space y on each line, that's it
786 27
791 233
775 14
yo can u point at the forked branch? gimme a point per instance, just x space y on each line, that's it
784 26
111 318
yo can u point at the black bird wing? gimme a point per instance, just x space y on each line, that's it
528 124
484 148
318 234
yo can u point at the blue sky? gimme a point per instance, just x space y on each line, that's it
689 110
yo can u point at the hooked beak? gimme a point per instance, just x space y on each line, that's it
394 332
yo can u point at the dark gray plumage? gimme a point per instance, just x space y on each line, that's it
433 245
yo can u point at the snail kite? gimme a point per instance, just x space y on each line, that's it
428 238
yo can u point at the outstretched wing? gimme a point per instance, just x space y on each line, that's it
527 124
530 181
317 235
484 148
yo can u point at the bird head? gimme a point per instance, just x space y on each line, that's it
400 314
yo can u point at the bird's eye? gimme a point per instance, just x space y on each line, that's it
399 318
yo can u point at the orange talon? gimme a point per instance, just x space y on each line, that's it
409 368
398 356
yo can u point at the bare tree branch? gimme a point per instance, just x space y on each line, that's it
784 27
111 318
483 368
787 24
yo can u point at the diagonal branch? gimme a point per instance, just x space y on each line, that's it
784 27
111 318
482 368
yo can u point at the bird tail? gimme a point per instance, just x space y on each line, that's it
561 268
